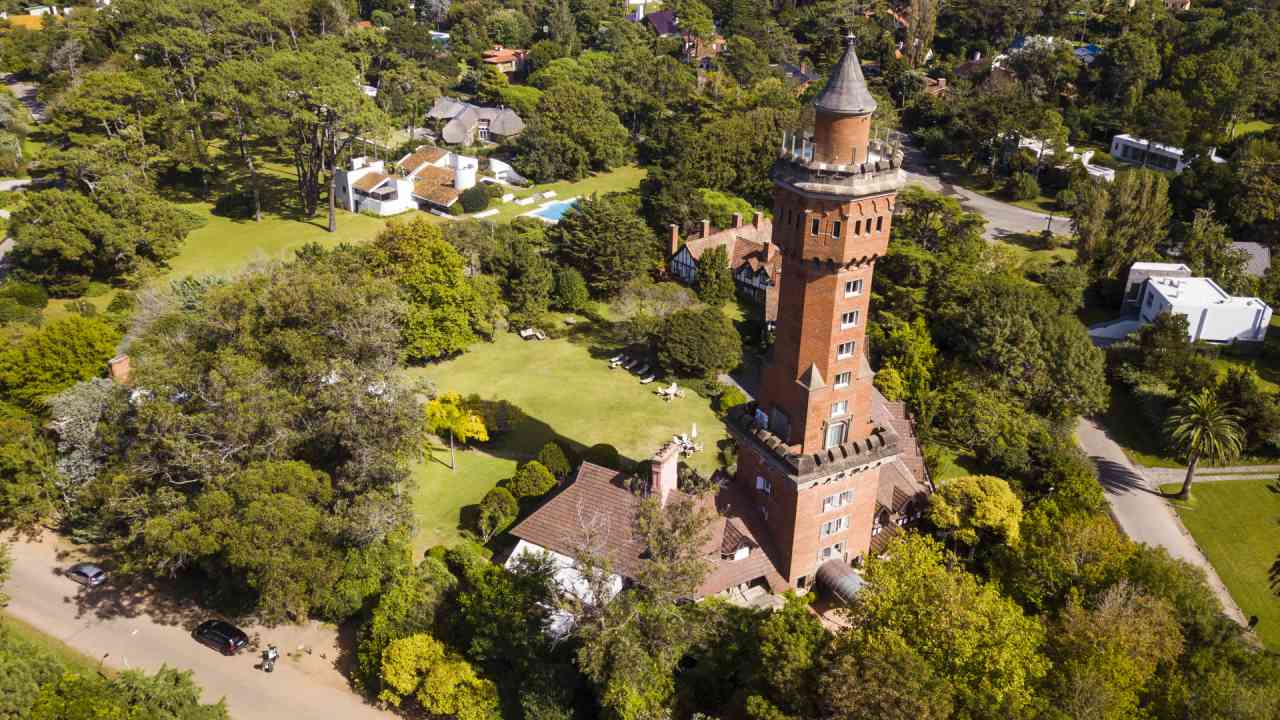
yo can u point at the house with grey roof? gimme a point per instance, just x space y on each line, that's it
466 124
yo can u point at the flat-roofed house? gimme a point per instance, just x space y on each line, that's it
1213 315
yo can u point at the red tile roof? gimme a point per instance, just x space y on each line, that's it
435 184
369 181
499 55
747 244
423 155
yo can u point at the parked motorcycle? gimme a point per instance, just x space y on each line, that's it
269 657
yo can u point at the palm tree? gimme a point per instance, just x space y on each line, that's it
1202 426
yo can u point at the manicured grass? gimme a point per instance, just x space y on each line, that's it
1130 428
1027 254
73 659
952 463
1253 126
568 393
1235 523
619 180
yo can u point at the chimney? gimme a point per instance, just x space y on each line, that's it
706 228
675 240
118 367
663 476
757 219
737 220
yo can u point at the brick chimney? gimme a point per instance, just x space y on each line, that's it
118 366
663 476
674 241
757 219
737 220
706 228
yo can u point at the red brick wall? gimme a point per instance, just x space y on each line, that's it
837 136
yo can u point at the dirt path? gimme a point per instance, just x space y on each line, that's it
136 627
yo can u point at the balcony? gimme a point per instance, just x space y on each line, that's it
881 173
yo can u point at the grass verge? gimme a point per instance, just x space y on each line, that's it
1235 523
73 659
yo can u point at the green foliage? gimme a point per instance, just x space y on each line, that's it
420 668
25 294
531 480
790 644
445 311
6 566
604 240
498 509
947 616
28 494
878 676
1121 222
730 396
474 199
1062 556
604 455
553 458
53 358
907 351
1203 427
408 604
714 281
721 207
63 239
976 508
1023 186
1206 248
503 614
526 276
699 343
571 292
448 413
571 133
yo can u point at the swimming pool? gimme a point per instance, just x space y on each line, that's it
552 212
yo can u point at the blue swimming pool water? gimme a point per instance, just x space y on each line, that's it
555 210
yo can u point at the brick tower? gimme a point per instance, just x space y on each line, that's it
808 447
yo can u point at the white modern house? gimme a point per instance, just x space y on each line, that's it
428 178
1213 315
1130 149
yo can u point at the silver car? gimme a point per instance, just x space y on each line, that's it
87 574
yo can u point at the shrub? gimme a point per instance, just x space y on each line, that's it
1067 199
604 455
474 199
456 209
11 311
533 479
553 458
25 293
1102 159
1022 186
731 397
571 290
498 509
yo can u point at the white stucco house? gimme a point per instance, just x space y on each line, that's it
1213 315
1130 149
428 178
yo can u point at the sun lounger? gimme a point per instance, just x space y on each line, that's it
642 369
647 379
616 358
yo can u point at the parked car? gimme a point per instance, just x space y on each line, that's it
87 574
221 636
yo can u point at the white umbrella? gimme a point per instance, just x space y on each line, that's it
694 434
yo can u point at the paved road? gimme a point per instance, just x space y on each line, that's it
137 628
1002 218
1142 512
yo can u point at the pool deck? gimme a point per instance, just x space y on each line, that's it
568 202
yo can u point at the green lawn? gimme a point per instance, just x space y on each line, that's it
620 180
1235 523
1028 255
73 659
568 395
1253 126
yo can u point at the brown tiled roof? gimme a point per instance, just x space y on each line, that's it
747 245
435 184
498 55
598 499
894 414
421 156
369 182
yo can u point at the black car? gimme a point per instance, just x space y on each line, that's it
87 574
221 636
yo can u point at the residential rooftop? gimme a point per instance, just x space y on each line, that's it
1198 291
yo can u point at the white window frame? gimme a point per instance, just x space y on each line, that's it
839 408
835 526
843 379
853 288
842 353
837 501
831 551
850 319
764 485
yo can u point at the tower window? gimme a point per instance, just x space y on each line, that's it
849 319
842 379
852 287
857 228
764 485
844 350
836 433
835 229
834 551
840 408
780 424
879 223
869 228
837 501
816 224
838 525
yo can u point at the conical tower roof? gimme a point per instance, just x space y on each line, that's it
846 91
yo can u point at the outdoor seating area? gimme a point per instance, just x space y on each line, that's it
687 443
532 334
670 393
635 365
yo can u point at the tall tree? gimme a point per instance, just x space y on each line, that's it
238 88
448 413
1202 427
1206 247
976 508
604 239
321 111
713 280
1121 222
922 20
1163 118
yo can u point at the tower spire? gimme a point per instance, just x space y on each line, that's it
846 91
